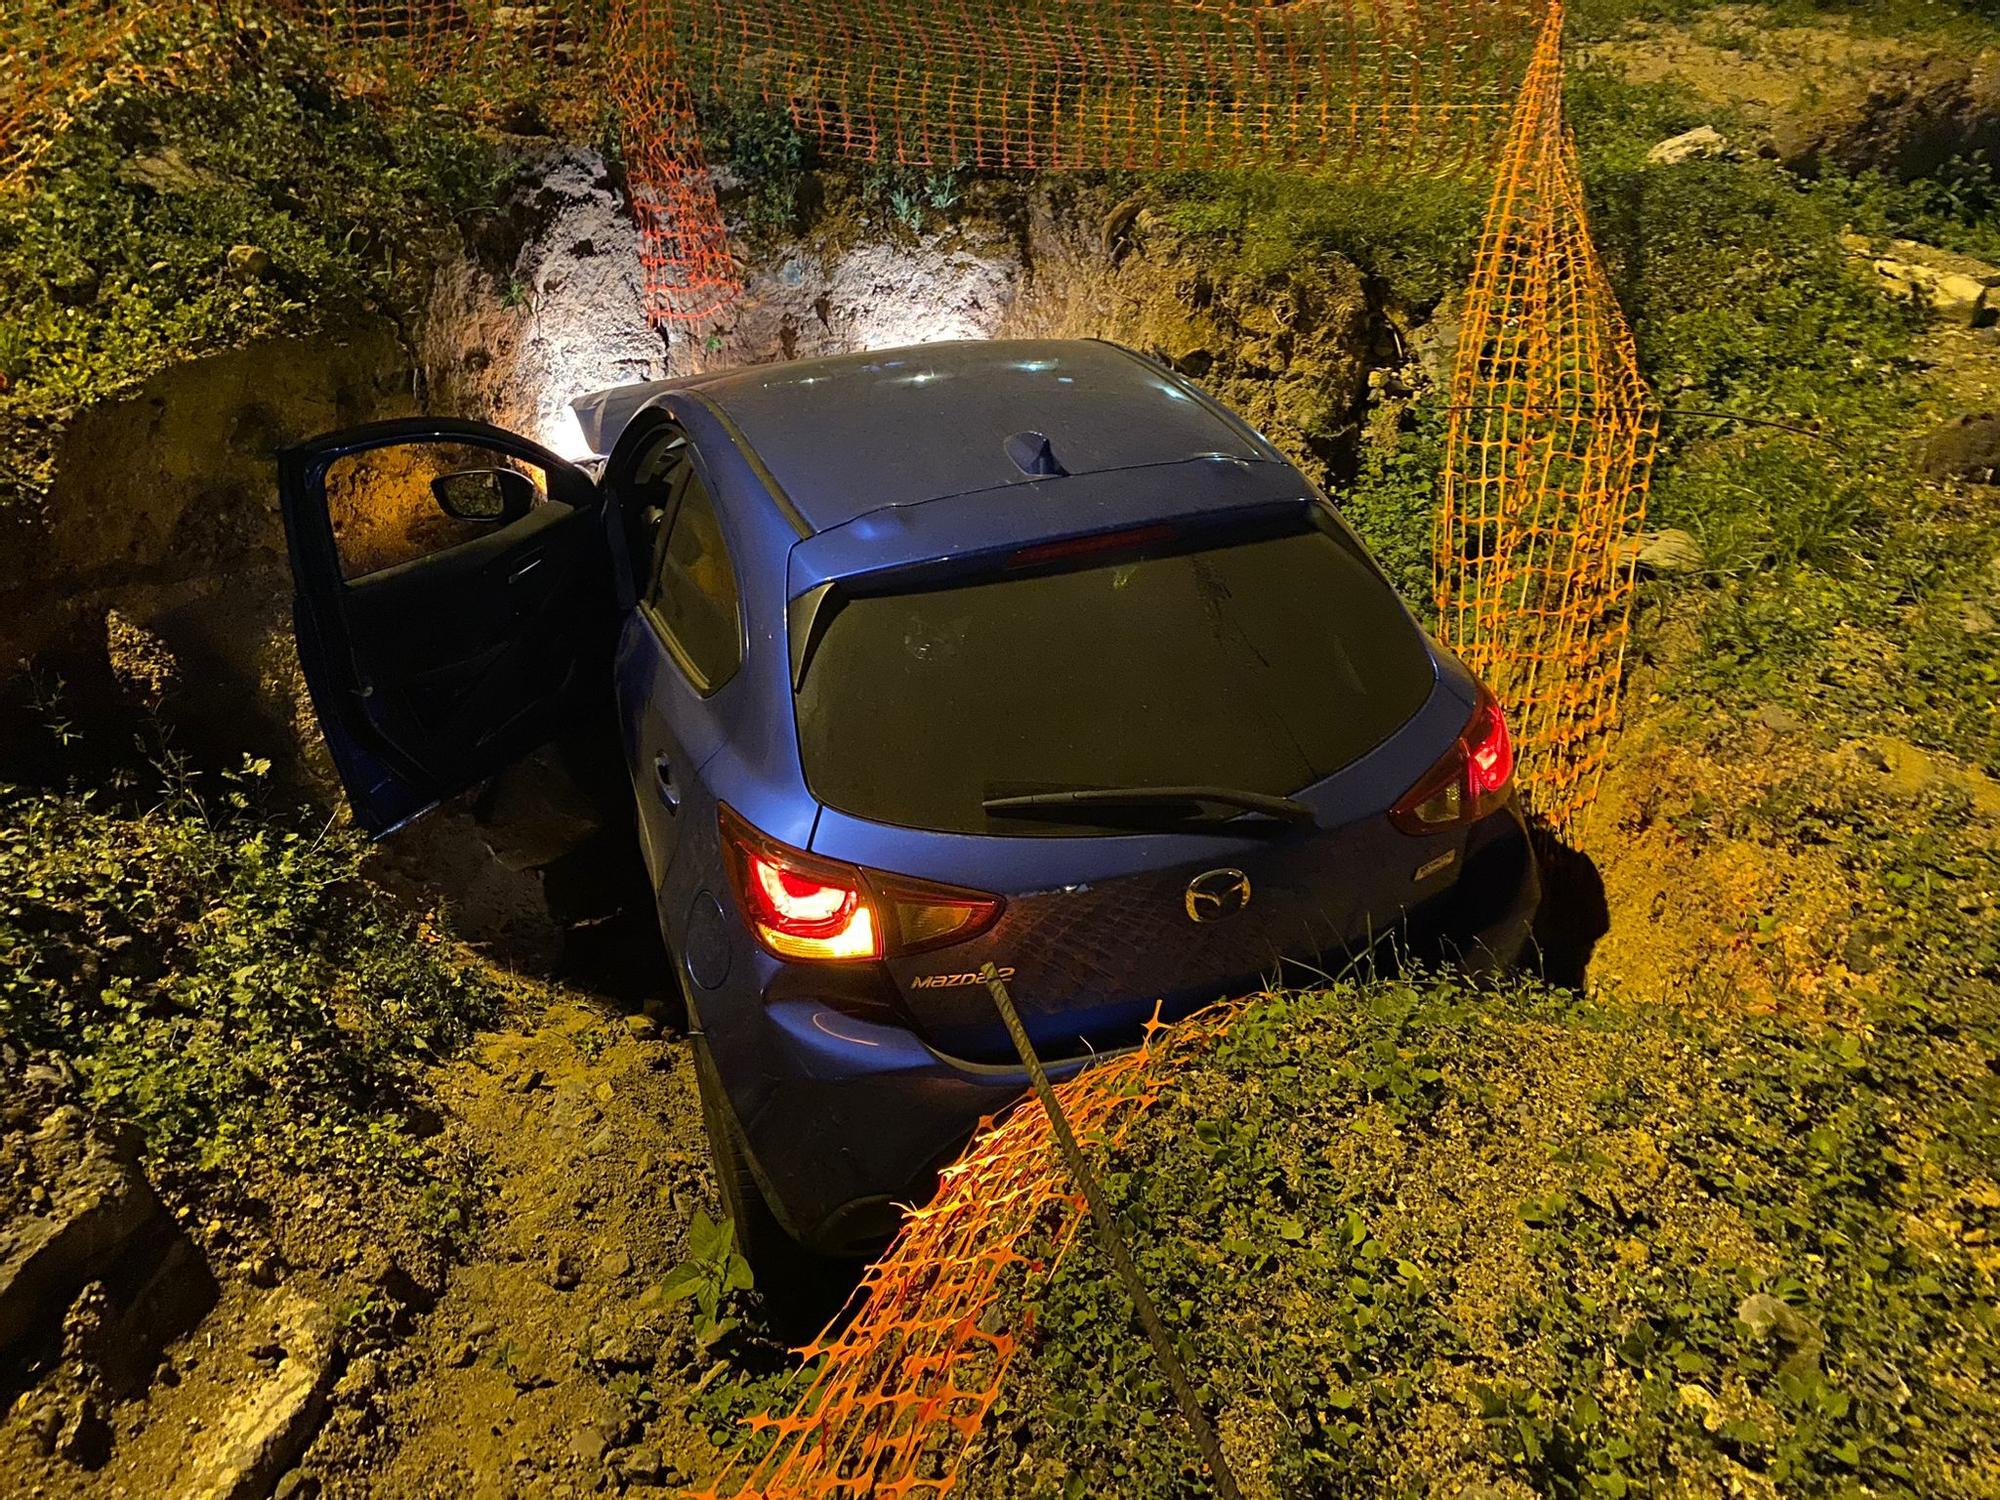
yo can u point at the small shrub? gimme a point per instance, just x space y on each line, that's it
712 1276
210 133
769 157
912 194
230 985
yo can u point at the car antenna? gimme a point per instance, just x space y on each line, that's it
1034 455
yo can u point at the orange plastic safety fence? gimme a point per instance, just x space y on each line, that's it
1549 448
1546 465
1060 84
489 43
47 48
907 1383
1349 85
689 273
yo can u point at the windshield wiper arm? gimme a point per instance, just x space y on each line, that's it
1113 798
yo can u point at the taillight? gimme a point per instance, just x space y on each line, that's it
1468 783
1489 750
803 906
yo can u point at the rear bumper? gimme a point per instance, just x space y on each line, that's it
1485 922
849 1119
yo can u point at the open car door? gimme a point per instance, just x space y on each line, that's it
453 603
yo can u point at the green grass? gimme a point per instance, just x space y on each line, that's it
1413 237
229 984
1941 20
212 134
769 157
1837 578
1417 1239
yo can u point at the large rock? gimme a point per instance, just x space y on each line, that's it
268 1426
1956 287
1663 553
1698 144
852 279
99 1207
548 305
1967 448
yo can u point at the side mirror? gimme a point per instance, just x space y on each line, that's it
496 496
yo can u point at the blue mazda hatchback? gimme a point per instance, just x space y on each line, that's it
1022 653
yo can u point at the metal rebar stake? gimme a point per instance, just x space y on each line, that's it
1114 1243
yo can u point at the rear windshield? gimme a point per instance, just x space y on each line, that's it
1263 667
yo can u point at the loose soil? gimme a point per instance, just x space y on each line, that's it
534 1358
534 1371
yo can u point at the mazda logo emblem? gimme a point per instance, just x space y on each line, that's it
1215 894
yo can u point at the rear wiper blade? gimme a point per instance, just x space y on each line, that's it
1114 798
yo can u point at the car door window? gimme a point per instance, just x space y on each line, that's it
647 492
386 511
693 600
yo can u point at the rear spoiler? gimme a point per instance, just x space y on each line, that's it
825 570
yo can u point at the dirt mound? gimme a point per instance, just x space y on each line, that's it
547 1365
1733 58
1826 96
162 541
1904 122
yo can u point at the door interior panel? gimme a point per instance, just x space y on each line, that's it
464 645
431 674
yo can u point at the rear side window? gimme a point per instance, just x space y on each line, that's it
1262 666
693 598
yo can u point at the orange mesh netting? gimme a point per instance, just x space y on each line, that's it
1057 85
46 49
494 46
1064 84
689 273
1550 440
907 1383
1550 432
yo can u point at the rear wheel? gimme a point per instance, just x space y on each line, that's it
801 1290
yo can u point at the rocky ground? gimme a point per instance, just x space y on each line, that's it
535 1357
543 1364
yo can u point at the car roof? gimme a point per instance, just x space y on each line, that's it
849 434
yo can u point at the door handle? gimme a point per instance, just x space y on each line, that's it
663 782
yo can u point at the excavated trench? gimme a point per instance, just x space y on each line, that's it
153 609
152 605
